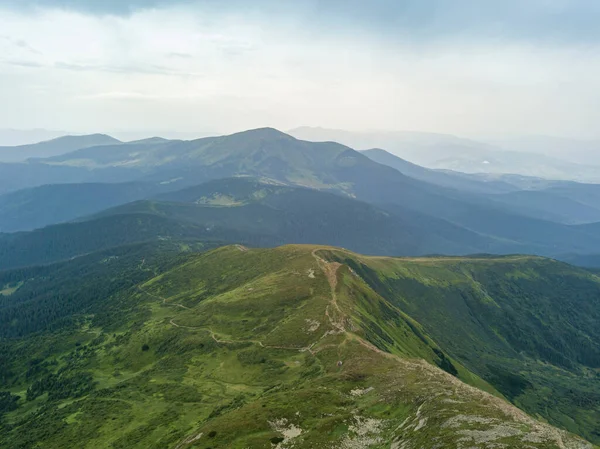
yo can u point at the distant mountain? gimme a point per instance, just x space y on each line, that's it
582 260
558 201
466 217
18 176
588 194
585 193
401 143
128 136
54 147
250 211
270 153
148 141
37 207
291 214
549 205
142 347
303 215
441 151
528 164
575 150
268 213
39 171
466 227
69 240
534 235
450 179
14 137
262 152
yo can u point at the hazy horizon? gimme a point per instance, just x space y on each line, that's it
23 136
467 69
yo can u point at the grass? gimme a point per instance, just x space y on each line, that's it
280 348
526 325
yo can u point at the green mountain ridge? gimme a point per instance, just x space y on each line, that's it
247 348
528 325
71 240
263 212
253 212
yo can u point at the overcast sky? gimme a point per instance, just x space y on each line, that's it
467 67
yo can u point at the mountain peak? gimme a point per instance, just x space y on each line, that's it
55 147
103 139
149 140
376 150
263 133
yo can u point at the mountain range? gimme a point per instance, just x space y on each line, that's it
424 211
246 210
54 147
260 291
561 201
447 152
16 137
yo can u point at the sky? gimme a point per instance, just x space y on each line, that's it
465 67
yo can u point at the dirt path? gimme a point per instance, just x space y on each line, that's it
213 335
163 299
330 270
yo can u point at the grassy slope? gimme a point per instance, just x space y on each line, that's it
246 348
51 297
527 325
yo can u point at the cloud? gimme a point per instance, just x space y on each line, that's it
552 21
149 69
93 6
126 96
19 44
15 63
462 67
134 96
174 54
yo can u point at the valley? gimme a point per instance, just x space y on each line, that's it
293 346
258 291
